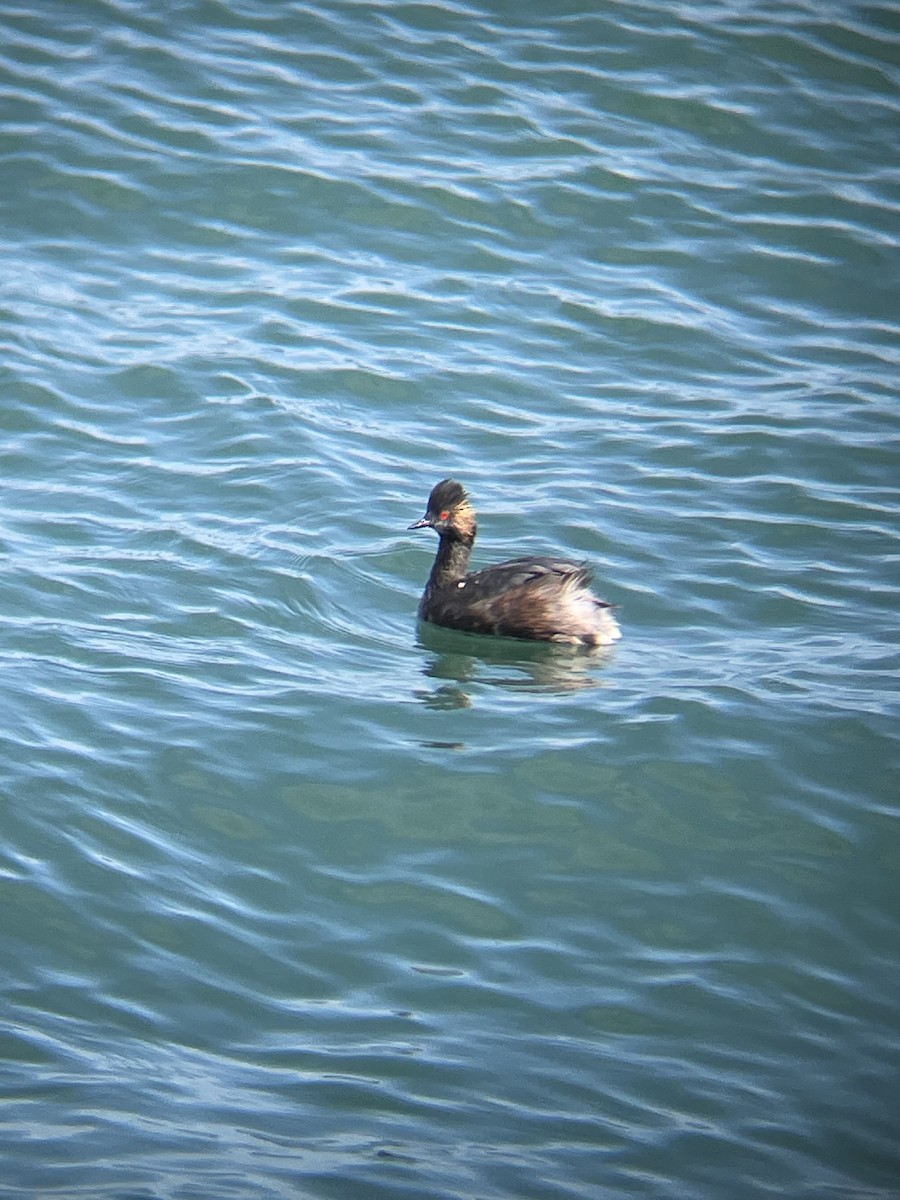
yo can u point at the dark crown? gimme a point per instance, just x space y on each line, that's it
447 495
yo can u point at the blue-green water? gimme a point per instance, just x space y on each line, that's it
298 901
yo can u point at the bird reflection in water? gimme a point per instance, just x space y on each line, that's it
460 659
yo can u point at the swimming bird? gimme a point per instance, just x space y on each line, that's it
541 599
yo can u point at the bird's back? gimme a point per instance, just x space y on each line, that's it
543 599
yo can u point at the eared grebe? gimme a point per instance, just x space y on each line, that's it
543 599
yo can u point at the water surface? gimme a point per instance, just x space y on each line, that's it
300 900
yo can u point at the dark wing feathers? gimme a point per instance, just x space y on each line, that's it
527 573
519 598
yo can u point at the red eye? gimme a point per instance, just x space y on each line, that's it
444 515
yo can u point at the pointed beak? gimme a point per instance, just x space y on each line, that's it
425 523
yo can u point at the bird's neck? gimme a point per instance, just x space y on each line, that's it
450 562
